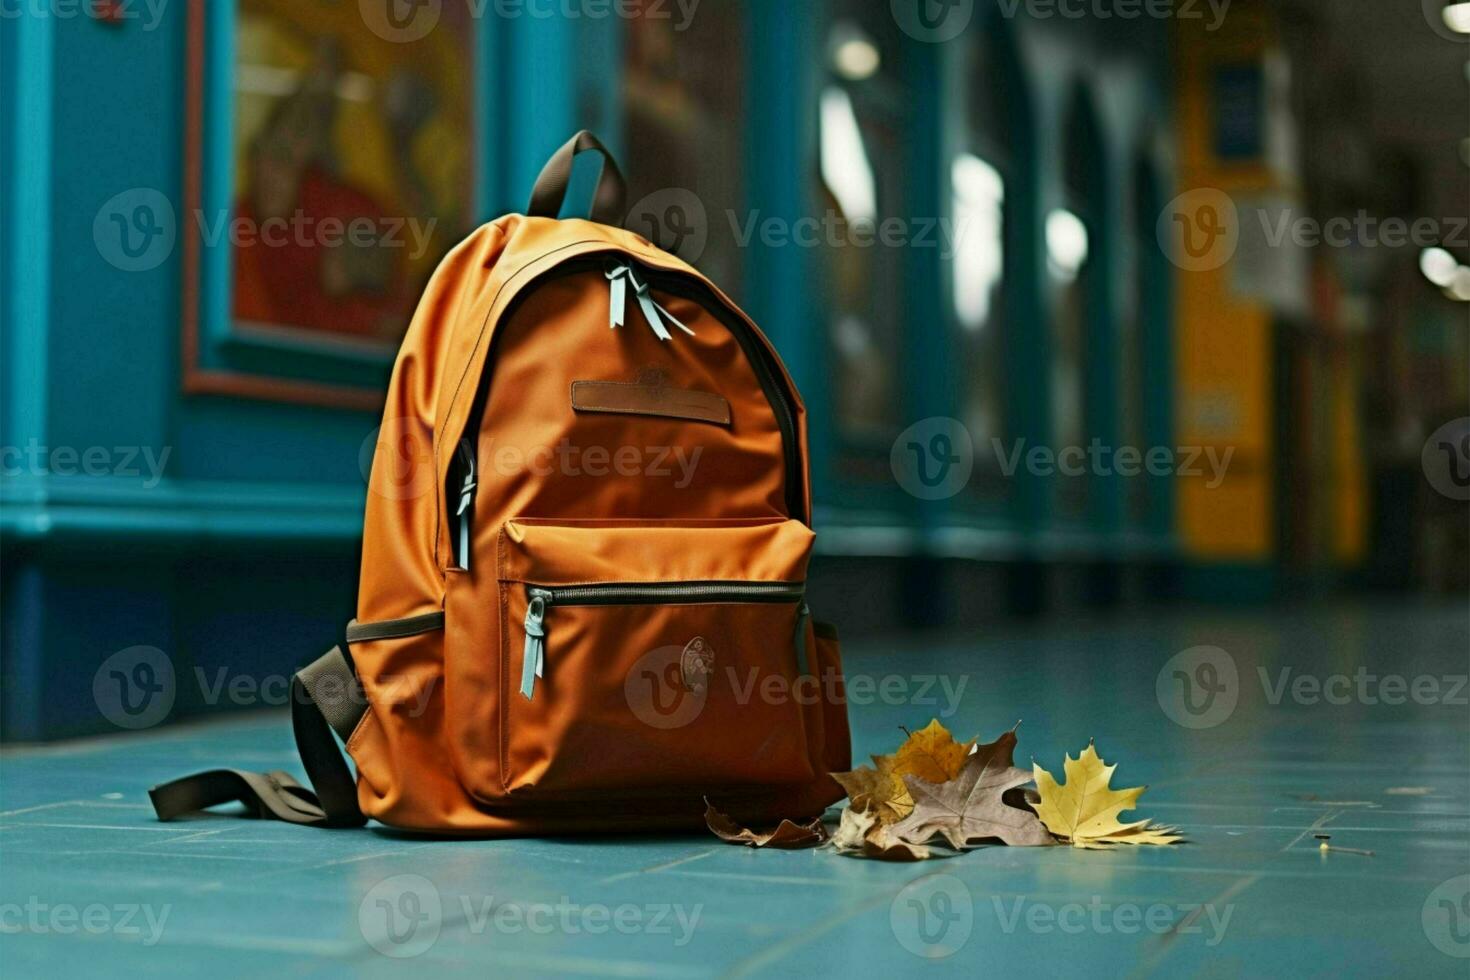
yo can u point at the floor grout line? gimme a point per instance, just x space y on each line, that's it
1162 947
653 869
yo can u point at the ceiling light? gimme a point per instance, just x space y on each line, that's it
1460 288
854 55
1438 266
1066 243
846 169
1457 17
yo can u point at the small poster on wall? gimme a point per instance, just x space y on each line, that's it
339 159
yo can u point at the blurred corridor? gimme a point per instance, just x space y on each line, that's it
1134 342
1093 308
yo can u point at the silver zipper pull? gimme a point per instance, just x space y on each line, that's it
618 295
465 515
533 657
802 615
650 308
619 276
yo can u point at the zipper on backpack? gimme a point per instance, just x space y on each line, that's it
540 599
622 274
685 286
465 513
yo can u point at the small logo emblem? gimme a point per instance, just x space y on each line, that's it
1200 229
134 688
1199 687
696 663
933 459
135 231
1446 459
932 917
1446 917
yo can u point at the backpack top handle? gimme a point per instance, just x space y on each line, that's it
551 186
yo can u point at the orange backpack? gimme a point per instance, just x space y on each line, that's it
584 559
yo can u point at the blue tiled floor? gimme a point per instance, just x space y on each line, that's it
90 884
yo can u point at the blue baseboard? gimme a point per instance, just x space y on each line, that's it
1229 584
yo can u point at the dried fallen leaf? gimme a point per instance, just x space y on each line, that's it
852 829
884 845
1084 811
859 834
787 835
970 806
876 791
930 753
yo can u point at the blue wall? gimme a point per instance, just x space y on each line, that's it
244 553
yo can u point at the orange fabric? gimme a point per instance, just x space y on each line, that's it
564 497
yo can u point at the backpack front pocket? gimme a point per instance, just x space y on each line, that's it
641 657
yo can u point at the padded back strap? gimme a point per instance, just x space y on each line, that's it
325 698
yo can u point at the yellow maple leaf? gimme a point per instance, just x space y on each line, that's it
1084 811
931 753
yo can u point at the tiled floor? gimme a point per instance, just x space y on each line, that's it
90 884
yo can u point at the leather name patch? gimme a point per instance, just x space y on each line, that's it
632 398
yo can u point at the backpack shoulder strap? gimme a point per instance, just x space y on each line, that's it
325 698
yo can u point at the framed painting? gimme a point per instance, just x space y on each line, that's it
329 166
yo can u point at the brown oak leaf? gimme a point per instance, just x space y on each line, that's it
788 835
970 806
876 791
